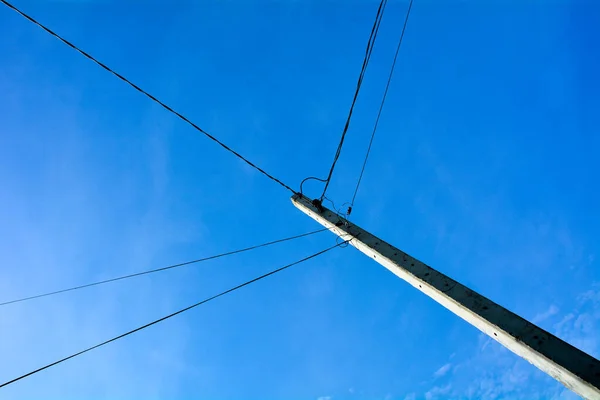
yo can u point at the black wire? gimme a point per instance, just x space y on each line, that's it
133 85
332 203
168 316
368 52
334 207
342 244
163 268
366 60
387 86
309 178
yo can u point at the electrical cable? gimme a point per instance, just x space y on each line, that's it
307 179
387 86
166 317
133 85
162 269
368 52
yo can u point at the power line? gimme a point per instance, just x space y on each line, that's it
309 179
368 52
163 268
133 85
387 86
169 316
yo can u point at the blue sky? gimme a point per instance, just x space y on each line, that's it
484 166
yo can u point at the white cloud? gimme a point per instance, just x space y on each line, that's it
438 392
493 372
410 396
324 398
537 244
592 295
509 375
442 371
552 310
580 327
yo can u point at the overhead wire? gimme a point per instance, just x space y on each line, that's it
163 268
387 86
147 94
168 316
367 58
308 179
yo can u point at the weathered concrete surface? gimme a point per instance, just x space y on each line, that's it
577 370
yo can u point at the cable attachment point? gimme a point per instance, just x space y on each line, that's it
318 205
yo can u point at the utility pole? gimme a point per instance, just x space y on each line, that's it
575 369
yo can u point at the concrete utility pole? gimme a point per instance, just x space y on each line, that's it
575 369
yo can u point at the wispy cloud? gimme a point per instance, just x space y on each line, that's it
438 392
540 243
442 371
552 310
493 372
580 327
510 376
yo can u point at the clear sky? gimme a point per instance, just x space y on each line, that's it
485 166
